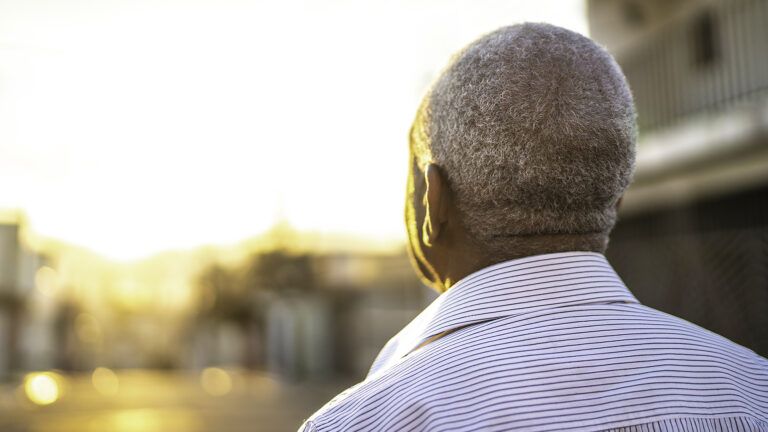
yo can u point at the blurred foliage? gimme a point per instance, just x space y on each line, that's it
221 293
281 272
234 293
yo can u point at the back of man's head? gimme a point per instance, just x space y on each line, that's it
534 127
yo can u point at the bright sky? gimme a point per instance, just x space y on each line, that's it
135 126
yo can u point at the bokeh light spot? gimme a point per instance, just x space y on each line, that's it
215 381
46 280
42 388
105 381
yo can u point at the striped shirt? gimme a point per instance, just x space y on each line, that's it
549 343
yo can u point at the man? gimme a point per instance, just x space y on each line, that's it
520 154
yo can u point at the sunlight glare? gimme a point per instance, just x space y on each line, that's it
131 143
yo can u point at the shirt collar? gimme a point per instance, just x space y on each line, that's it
511 288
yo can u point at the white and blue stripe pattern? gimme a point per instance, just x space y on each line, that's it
548 343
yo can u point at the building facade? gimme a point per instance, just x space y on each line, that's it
692 238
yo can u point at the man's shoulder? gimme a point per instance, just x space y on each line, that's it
556 367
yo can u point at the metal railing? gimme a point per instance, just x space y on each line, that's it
710 60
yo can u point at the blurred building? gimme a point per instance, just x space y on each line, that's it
374 297
693 234
23 329
332 321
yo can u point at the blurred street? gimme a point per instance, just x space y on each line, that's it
151 401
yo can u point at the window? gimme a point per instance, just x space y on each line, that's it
705 40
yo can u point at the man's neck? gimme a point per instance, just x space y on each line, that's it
464 261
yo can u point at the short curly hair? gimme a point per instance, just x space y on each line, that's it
535 128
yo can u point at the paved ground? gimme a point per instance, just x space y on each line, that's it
150 401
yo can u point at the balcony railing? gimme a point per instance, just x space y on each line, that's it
709 61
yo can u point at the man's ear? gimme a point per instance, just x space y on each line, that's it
435 205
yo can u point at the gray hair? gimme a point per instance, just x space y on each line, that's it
535 129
